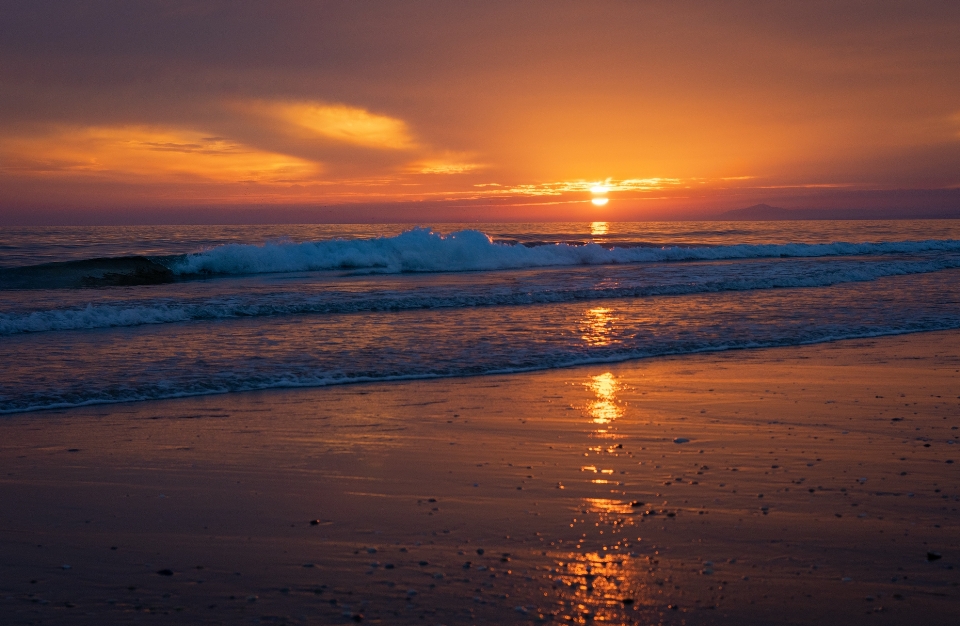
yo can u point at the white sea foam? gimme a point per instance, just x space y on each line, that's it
422 250
711 279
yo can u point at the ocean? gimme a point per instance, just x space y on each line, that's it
99 315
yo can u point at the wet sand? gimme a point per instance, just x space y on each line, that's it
791 486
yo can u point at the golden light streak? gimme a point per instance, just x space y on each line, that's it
600 201
581 186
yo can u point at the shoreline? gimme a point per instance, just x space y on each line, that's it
798 464
587 363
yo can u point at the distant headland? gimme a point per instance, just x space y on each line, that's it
766 212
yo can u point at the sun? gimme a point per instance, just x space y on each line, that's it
599 192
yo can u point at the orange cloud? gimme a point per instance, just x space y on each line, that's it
337 122
445 164
145 154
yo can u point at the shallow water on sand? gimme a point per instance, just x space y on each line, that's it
184 311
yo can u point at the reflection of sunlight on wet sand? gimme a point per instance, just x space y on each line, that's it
596 326
599 228
608 506
600 588
604 409
608 584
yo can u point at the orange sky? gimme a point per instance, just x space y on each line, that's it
495 109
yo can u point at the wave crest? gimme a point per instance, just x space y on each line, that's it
423 250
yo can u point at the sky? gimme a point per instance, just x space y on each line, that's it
122 111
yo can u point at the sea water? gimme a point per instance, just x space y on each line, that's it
114 314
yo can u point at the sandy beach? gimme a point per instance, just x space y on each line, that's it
804 485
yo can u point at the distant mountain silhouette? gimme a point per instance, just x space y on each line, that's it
765 212
760 212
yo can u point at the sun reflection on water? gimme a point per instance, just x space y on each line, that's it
599 228
597 327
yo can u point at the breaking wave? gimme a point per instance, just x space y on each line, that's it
416 250
422 250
